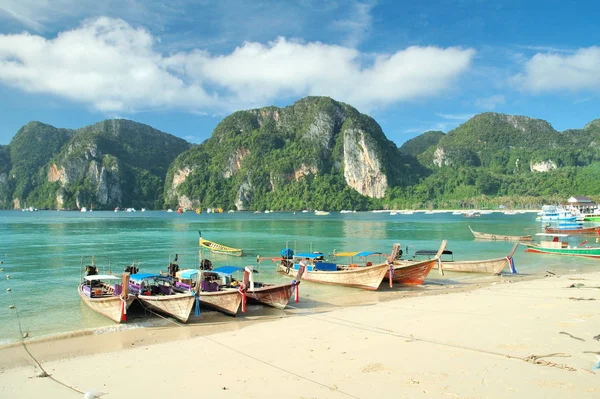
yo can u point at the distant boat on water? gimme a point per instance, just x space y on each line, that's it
321 213
553 212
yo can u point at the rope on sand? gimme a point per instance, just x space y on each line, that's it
535 359
43 373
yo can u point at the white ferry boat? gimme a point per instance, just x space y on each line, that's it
553 213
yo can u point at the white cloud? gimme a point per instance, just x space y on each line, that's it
559 72
112 66
357 25
40 15
490 103
456 117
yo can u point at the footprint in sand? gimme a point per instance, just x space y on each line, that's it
373 367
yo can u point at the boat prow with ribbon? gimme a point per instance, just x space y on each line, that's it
411 272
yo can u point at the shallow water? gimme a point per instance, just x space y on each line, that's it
41 251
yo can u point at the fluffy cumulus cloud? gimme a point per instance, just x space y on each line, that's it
555 72
113 66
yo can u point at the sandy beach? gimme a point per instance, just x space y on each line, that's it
508 338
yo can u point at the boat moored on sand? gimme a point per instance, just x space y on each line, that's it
102 292
317 270
162 294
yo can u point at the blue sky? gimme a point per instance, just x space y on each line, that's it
182 66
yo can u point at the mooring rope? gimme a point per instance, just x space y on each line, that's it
44 373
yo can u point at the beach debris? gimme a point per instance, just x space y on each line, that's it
224 388
572 336
549 272
597 337
535 359
597 365
582 299
42 374
92 393
576 285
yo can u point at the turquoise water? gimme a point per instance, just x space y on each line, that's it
41 251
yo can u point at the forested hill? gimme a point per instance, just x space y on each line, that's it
108 164
499 159
317 153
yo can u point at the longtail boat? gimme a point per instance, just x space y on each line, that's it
411 272
274 295
103 294
319 271
213 290
562 247
577 229
161 293
219 248
493 266
498 237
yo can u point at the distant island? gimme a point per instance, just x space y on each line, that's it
317 153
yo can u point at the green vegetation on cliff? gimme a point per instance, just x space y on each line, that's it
112 163
288 158
315 154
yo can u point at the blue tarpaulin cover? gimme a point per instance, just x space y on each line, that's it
287 253
308 256
327 267
228 269
188 273
141 276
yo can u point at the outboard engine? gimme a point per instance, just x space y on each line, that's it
91 270
206 264
131 269
173 268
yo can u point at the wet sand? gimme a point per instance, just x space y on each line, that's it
507 336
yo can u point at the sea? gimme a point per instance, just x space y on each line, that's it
42 253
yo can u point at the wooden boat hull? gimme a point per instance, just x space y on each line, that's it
408 272
498 237
276 296
583 251
218 248
178 305
107 306
367 278
491 266
587 230
227 301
